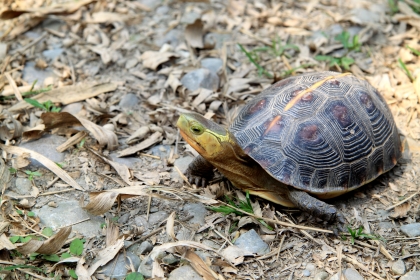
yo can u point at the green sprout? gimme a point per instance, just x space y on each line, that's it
47 106
32 174
358 234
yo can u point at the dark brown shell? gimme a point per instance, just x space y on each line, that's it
322 132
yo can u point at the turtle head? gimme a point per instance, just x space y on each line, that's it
205 136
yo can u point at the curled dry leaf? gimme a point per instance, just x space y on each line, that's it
200 266
106 255
104 136
50 246
4 176
49 164
152 59
6 244
21 161
10 129
194 34
153 139
235 254
170 225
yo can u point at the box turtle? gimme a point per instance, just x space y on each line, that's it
308 137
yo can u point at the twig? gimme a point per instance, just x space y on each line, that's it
276 221
56 192
222 236
75 223
402 201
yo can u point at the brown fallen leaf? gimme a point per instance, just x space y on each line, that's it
50 246
4 176
106 255
104 136
49 164
68 94
194 34
6 244
401 210
200 266
109 17
81 271
235 255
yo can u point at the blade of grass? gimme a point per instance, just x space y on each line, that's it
252 60
406 71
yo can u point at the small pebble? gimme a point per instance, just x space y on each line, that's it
413 275
306 273
398 267
322 275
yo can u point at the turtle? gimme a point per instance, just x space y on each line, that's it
304 139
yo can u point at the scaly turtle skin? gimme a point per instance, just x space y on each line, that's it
305 138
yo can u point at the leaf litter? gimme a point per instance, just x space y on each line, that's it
124 157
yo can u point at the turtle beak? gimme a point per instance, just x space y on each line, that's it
183 124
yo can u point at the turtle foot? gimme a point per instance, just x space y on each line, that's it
199 172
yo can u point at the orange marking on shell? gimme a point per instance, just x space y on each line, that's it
298 97
272 124
394 160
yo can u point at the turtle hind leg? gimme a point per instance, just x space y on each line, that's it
316 207
199 172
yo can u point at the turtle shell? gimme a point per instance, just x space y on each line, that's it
326 132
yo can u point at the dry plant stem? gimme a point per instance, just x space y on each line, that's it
150 156
75 223
276 221
361 266
222 236
183 176
304 232
12 83
23 223
33 274
52 182
402 201
56 192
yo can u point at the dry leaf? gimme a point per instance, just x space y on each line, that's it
106 255
10 129
68 94
81 271
194 34
152 59
6 244
4 176
235 254
121 169
153 139
112 233
170 225
394 187
401 210
200 266
57 9
104 136
49 164
51 246
109 17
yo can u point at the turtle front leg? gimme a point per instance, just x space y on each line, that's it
316 207
199 172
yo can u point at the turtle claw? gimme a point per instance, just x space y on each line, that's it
198 179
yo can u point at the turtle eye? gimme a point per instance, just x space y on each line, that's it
197 129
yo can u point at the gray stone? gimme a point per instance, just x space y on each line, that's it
198 211
69 212
129 101
162 10
73 108
152 4
170 259
189 18
200 78
349 274
306 273
321 275
398 267
146 267
130 162
117 268
252 242
157 217
211 63
174 37
183 162
184 272
23 186
124 218
386 225
52 54
183 234
30 73
145 248
161 151
412 275
216 40
46 147
140 221
412 230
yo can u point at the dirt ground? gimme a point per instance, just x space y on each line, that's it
118 72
